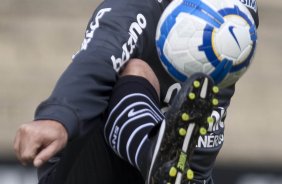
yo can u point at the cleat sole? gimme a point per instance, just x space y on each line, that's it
187 120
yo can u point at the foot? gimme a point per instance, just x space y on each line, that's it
187 119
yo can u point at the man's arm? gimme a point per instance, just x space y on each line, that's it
79 97
113 36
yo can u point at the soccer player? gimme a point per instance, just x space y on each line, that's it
159 147
66 140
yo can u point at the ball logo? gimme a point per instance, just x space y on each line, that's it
231 30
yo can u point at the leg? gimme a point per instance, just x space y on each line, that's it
137 67
133 113
137 132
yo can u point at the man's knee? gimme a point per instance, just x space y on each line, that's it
138 67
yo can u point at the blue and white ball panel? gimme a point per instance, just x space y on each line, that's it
198 28
166 22
181 48
182 45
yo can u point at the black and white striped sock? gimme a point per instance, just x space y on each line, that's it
133 113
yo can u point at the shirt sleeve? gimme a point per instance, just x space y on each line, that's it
114 34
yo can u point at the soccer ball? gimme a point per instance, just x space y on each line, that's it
215 37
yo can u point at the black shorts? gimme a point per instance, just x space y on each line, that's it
89 160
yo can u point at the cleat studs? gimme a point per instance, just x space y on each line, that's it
196 84
190 174
210 120
215 90
192 96
203 131
215 102
182 132
172 172
185 117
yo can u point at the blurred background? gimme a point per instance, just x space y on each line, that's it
38 38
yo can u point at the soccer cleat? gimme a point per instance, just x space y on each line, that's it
188 118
